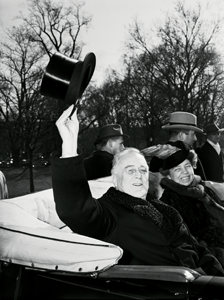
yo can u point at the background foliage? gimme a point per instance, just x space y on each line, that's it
181 71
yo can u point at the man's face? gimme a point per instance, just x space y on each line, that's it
214 137
189 138
132 175
183 173
117 145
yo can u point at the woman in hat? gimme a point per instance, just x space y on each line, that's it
199 206
182 126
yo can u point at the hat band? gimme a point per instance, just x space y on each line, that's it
175 123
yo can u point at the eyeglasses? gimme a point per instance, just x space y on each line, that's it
133 170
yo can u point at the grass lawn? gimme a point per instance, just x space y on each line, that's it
18 181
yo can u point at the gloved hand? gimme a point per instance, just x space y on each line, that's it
68 127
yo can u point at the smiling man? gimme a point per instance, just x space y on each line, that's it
149 231
130 173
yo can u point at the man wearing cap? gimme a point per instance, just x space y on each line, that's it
181 127
210 154
110 141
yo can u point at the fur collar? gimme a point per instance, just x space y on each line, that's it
160 214
194 190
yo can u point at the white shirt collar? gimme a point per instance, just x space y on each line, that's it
215 146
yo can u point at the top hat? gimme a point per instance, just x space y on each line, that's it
212 128
66 78
108 131
182 120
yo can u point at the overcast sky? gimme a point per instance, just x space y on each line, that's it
109 26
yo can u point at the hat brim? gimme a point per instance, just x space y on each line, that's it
80 79
220 130
187 127
125 136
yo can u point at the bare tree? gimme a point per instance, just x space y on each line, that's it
23 110
27 117
56 27
184 66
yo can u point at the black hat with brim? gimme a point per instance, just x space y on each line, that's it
110 131
212 128
175 159
66 78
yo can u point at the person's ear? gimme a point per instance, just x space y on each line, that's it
110 143
168 176
114 179
181 136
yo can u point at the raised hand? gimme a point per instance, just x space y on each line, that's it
68 127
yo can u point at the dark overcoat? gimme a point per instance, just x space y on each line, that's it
142 241
98 165
212 162
205 227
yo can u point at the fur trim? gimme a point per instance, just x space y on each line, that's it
195 190
163 216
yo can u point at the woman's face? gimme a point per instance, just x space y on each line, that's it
183 173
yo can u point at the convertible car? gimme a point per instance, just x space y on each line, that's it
41 258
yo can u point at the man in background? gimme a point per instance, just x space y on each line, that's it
210 154
110 141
